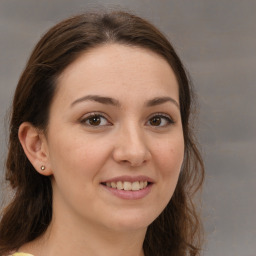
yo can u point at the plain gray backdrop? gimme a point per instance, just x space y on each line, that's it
217 42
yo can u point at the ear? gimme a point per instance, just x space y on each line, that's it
34 144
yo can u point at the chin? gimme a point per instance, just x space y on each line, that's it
132 222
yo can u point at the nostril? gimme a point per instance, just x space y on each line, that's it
129 152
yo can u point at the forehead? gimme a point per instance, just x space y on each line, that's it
118 71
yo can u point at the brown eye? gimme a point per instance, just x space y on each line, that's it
155 121
95 120
160 120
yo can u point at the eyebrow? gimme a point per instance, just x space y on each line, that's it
97 98
110 101
161 100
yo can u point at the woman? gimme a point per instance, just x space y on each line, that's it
101 153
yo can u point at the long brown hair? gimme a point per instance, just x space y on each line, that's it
177 230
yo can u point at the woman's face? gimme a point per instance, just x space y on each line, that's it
115 142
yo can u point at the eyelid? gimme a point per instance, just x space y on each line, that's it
162 114
85 117
169 118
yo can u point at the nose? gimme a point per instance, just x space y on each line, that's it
131 147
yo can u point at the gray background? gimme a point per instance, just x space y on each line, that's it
217 41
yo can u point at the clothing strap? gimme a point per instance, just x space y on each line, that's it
21 254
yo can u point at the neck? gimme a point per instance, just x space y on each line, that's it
71 238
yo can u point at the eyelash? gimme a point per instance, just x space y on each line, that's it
167 118
90 116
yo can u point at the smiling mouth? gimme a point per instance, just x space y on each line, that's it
126 185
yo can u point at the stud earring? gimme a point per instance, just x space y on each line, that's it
42 167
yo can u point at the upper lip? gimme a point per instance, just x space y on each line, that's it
129 178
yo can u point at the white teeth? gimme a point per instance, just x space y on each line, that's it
119 185
136 185
128 186
113 184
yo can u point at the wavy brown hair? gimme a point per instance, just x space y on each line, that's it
177 230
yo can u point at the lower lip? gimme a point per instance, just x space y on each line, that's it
130 194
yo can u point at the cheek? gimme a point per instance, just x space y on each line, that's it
169 161
77 155
170 155
172 160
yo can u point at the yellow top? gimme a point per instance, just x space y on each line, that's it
21 254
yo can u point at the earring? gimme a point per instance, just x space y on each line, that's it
42 167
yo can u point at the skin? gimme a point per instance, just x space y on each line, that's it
80 153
